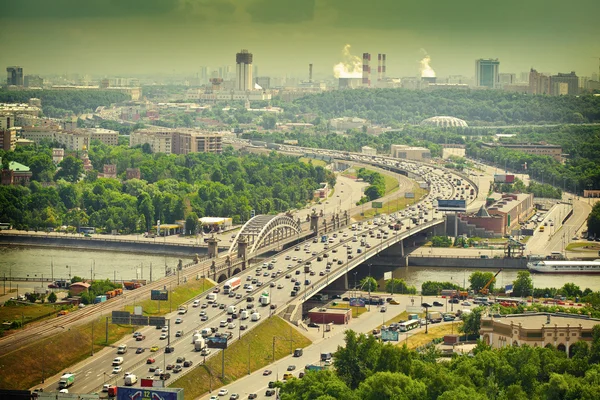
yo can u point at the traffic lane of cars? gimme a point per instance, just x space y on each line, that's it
211 318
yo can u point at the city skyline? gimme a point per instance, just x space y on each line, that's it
103 37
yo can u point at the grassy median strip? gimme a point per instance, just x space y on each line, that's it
24 367
254 350
177 295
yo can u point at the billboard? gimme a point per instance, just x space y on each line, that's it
135 393
217 342
159 295
377 204
387 276
452 205
387 335
121 317
139 320
409 195
157 321
354 302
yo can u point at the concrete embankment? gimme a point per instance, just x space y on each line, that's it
451 262
77 243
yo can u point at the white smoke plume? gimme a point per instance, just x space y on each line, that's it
425 68
350 67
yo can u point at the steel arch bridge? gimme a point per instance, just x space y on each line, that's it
263 230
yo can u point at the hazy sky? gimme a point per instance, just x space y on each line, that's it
127 37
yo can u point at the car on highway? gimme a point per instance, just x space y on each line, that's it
117 369
140 350
139 338
169 367
178 368
158 371
204 318
150 361
466 303
270 392
234 396
154 348
267 372
188 363
165 329
252 396
223 392
437 304
180 360
291 367
163 336
178 321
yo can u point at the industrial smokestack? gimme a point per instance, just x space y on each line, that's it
379 66
383 66
366 70
310 72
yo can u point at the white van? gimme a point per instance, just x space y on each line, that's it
244 314
206 332
122 349
212 297
231 310
117 361
196 303
255 316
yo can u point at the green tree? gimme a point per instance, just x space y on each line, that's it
395 285
523 285
593 221
571 290
441 241
471 322
479 279
71 169
191 223
389 385
52 297
368 283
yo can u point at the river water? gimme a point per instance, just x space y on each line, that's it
60 263
23 261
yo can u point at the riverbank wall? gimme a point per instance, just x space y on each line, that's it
450 262
102 244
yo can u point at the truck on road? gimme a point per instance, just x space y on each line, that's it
231 285
199 344
264 299
66 381
211 297
130 380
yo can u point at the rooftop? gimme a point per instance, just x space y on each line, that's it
537 320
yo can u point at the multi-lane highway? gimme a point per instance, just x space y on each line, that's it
277 276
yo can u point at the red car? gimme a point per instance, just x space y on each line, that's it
150 361
139 338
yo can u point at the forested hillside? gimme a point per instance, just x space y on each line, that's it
477 107
61 103
172 187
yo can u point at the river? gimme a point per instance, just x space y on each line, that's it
60 263
23 261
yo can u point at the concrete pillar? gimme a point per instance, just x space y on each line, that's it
242 252
314 222
401 244
213 246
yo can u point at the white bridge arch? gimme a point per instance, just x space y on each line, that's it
263 230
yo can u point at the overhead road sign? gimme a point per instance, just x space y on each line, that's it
452 205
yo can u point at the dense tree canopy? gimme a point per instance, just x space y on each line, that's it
478 107
61 103
368 369
172 188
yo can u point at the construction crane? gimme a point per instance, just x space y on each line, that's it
485 290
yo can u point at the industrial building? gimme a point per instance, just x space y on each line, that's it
513 209
410 153
337 316
487 73
540 149
560 331
177 141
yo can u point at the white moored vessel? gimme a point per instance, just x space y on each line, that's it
565 267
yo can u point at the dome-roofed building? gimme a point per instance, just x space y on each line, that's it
444 122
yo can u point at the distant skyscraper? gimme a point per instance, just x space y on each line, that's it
486 72
243 72
564 84
538 83
14 76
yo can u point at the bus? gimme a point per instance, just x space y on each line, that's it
409 325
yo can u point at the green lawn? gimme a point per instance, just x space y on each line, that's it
313 161
583 246
177 294
27 312
254 350
392 206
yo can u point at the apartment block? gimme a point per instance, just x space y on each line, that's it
178 141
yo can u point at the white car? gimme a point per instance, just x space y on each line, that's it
163 336
223 392
105 387
223 324
165 329
117 369
231 325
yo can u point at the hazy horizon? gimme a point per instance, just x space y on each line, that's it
142 37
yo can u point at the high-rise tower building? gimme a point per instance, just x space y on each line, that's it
564 84
14 76
486 72
243 61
